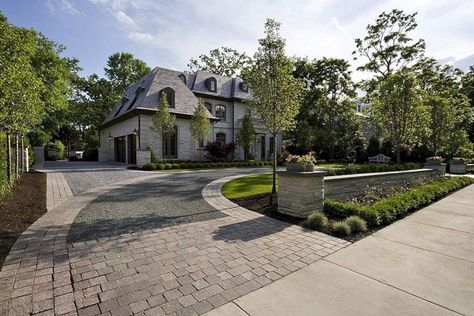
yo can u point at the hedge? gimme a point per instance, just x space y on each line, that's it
204 165
387 210
369 168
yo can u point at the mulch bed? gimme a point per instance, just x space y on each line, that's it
24 205
261 204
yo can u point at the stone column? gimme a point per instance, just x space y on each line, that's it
458 168
439 167
300 193
26 160
143 157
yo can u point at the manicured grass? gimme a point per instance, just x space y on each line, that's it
248 186
333 165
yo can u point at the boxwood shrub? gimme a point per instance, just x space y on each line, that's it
369 168
149 166
387 210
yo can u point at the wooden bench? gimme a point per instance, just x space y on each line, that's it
380 158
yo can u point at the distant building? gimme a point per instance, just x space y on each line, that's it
127 127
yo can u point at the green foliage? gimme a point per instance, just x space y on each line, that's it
356 224
152 154
124 70
246 135
341 229
317 221
149 166
388 210
399 112
200 123
59 147
387 47
162 122
224 61
369 168
373 148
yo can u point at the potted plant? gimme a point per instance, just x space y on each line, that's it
297 163
458 160
434 160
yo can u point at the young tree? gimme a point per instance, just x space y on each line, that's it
223 61
387 47
246 135
399 110
275 90
200 123
162 122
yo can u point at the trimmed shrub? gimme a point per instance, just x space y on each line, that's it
317 221
175 166
356 224
149 166
160 166
387 210
168 166
341 229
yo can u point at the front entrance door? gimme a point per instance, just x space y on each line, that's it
262 148
120 149
132 148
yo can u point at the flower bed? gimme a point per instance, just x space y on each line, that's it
387 210
204 165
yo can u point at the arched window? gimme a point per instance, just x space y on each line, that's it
169 96
170 145
243 86
182 77
208 107
220 137
211 84
221 112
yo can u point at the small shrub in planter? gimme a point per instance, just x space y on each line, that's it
341 229
317 221
356 224
434 159
458 160
149 166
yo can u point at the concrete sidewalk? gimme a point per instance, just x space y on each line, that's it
421 265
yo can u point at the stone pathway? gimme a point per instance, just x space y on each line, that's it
183 269
57 190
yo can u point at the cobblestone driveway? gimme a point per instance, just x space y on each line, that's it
158 254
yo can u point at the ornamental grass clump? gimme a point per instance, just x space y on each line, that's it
341 229
317 221
356 224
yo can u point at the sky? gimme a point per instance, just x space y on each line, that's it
169 33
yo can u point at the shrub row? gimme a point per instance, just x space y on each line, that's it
204 165
369 168
387 210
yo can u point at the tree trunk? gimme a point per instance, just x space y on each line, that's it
9 158
274 191
22 155
17 156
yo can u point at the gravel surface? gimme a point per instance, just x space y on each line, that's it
83 176
160 202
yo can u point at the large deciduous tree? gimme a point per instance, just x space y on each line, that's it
388 47
399 111
276 92
223 61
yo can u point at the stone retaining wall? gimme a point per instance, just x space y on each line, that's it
341 187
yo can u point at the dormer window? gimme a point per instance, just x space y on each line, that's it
138 92
122 103
211 84
182 77
169 93
243 87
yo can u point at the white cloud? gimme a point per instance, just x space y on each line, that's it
173 32
68 7
140 37
50 6
125 19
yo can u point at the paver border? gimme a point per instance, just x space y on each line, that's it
43 246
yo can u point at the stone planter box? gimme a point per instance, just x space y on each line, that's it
299 167
458 168
438 166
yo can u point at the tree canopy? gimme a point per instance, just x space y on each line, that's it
223 61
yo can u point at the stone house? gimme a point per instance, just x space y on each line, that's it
126 132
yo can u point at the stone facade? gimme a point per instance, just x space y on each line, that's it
458 168
300 193
341 187
143 157
439 167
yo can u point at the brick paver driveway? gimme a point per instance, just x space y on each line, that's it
152 245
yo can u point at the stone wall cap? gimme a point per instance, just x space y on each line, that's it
374 174
302 174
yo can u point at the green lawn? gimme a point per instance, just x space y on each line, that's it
333 165
248 186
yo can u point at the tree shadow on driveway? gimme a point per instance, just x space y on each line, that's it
250 229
